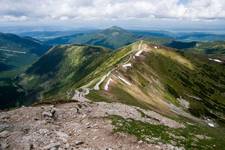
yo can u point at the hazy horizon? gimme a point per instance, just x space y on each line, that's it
169 15
22 29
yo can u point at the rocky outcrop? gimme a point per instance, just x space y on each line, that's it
78 125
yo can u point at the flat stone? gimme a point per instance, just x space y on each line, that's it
79 142
4 134
4 145
52 146
47 114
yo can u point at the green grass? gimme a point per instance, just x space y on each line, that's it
204 79
117 95
181 137
177 74
97 97
62 68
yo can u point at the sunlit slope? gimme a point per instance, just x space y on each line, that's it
212 49
60 68
160 78
140 74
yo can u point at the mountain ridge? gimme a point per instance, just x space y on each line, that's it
152 92
141 53
128 83
113 37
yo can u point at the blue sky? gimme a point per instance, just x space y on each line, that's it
145 14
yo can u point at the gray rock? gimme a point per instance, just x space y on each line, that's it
4 134
79 142
53 111
47 114
52 146
4 117
4 145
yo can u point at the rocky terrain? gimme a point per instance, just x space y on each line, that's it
76 125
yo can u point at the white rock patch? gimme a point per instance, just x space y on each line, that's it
127 65
211 124
106 88
96 87
184 102
124 80
216 60
138 53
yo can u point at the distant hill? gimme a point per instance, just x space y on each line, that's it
113 38
116 37
181 45
16 51
154 34
23 44
200 36
213 48
16 54
48 35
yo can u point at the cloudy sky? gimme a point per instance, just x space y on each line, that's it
127 13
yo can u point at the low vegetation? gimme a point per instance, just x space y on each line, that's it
190 137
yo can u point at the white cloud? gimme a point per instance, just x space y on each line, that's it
20 10
13 18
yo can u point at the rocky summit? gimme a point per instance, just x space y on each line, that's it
78 125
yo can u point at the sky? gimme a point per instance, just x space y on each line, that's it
134 14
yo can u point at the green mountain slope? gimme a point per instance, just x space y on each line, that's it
188 88
162 75
16 54
18 51
141 74
62 67
113 38
215 48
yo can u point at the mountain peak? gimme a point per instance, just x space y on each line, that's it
115 28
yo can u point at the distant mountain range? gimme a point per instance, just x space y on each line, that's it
14 49
213 48
115 37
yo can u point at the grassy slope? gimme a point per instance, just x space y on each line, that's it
21 53
190 137
159 75
174 75
213 49
61 68
32 48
